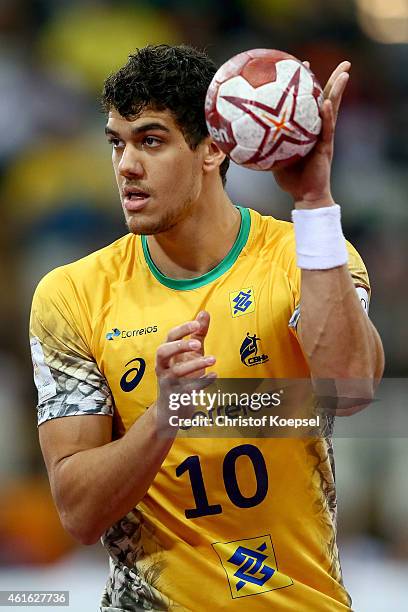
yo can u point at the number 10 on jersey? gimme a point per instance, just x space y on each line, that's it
203 507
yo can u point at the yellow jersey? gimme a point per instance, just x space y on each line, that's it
227 524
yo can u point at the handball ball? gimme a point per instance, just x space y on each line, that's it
263 107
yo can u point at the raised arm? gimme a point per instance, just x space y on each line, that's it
335 333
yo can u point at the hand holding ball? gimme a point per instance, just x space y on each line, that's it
263 107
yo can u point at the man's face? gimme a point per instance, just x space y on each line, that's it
159 177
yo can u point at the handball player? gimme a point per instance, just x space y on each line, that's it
197 286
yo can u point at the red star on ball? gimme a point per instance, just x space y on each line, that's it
271 118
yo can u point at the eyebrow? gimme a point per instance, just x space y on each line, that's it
140 129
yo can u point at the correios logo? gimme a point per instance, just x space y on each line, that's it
113 334
130 333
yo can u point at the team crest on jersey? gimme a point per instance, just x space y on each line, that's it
251 566
249 351
242 302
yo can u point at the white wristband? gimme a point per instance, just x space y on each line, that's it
320 243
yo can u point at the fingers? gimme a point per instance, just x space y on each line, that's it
337 91
170 349
185 329
181 357
187 368
336 85
203 319
328 124
187 385
197 365
342 68
333 93
180 362
195 384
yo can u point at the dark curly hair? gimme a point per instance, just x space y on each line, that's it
165 77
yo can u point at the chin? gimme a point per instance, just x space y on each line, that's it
148 227
149 222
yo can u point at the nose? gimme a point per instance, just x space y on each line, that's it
129 165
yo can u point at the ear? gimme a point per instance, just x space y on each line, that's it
213 156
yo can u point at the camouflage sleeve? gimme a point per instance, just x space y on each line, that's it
66 375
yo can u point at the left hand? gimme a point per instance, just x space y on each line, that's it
308 180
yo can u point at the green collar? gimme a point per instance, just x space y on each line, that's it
208 277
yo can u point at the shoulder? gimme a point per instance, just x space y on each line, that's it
76 294
268 227
105 266
272 238
271 233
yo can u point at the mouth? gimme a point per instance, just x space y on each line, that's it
134 199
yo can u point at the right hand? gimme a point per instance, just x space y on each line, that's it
180 361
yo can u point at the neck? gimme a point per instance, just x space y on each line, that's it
200 241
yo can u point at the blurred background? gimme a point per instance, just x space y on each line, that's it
58 202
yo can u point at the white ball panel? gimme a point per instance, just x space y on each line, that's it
306 83
269 94
240 155
288 149
247 132
285 70
239 87
307 113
